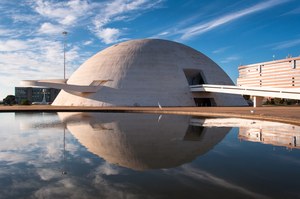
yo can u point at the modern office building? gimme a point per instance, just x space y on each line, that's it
284 73
35 94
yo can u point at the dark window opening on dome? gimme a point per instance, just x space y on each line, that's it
194 76
194 133
204 102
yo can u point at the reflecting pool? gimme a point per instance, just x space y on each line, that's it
129 155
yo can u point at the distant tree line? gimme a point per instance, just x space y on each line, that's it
11 100
273 101
279 101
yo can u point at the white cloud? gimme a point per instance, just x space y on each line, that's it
293 12
108 35
12 45
187 32
204 27
68 20
286 44
24 18
230 58
107 169
47 174
48 28
37 58
200 175
86 43
29 54
5 32
118 10
220 50
163 33
64 12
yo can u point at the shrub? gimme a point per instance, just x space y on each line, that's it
25 102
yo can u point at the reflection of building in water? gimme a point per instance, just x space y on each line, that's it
288 138
278 134
140 141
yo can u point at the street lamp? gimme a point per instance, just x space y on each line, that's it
65 35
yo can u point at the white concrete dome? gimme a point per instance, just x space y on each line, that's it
147 72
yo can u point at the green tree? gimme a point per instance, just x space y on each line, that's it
25 102
10 100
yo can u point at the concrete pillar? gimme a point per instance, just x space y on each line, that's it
257 101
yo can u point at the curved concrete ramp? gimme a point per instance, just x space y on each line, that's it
62 84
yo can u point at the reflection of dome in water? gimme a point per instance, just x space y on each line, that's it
145 72
139 141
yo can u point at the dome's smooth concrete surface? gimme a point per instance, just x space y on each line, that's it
144 73
142 141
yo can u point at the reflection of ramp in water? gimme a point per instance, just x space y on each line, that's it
275 133
139 141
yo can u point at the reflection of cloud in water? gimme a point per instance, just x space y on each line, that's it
37 120
73 187
47 174
108 169
31 158
139 141
203 176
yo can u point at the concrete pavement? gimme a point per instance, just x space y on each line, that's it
286 114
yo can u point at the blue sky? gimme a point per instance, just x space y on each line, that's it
231 32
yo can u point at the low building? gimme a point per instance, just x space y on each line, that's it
35 94
284 73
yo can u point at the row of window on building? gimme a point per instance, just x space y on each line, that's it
280 73
35 94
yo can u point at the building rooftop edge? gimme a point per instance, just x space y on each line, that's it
269 62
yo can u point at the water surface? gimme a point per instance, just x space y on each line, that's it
118 155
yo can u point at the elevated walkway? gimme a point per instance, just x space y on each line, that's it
62 84
258 92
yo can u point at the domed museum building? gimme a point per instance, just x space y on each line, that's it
148 72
